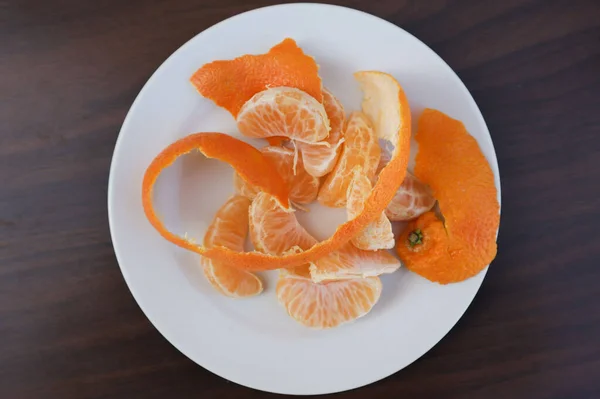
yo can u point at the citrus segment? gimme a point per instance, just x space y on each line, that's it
351 262
412 199
329 304
284 112
274 231
229 229
319 159
230 83
377 234
303 187
452 164
390 178
360 148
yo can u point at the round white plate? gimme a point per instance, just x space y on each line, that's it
253 342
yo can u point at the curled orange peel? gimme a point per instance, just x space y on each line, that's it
464 243
246 161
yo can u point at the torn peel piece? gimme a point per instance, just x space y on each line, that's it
350 262
230 83
464 185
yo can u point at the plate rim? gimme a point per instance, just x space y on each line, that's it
147 84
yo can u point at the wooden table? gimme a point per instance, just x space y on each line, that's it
70 69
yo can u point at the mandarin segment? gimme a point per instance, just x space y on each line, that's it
320 159
452 164
273 230
329 304
284 112
277 232
303 187
350 262
229 229
360 148
412 199
230 83
377 234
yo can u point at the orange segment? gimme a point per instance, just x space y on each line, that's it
351 262
233 82
229 229
275 231
377 234
412 199
463 183
284 112
318 159
359 149
303 187
389 180
329 304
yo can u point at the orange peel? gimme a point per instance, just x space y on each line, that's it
377 95
230 83
452 164
249 163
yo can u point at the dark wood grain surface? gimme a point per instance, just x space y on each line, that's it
70 69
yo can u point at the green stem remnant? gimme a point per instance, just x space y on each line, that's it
415 237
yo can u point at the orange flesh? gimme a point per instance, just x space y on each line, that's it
328 304
229 228
359 149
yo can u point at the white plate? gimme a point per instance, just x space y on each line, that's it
253 342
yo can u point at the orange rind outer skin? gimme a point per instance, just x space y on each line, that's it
390 178
230 83
451 162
